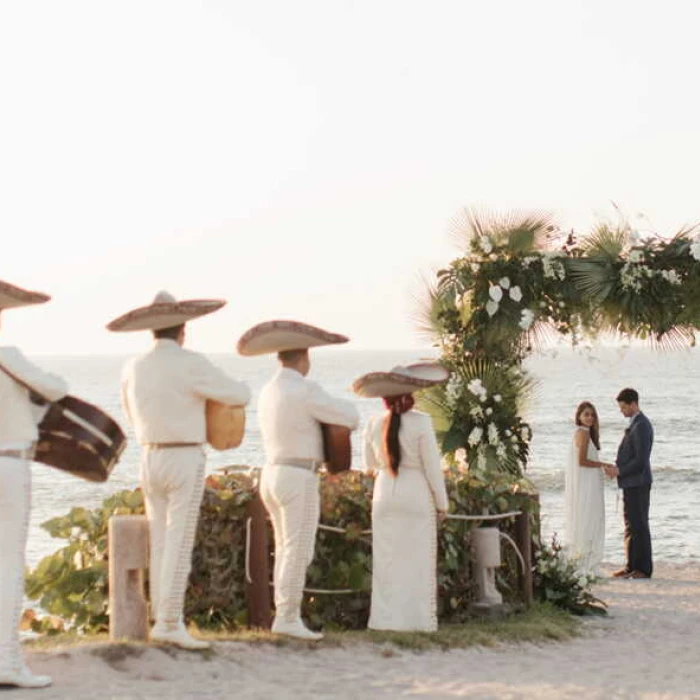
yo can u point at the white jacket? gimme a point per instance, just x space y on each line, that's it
290 412
18 420
164 392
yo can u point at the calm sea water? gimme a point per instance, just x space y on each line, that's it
668 384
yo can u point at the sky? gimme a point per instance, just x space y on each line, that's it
305 160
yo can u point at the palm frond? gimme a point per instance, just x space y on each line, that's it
516 231
606 242
594 277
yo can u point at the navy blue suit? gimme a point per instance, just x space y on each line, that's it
633 461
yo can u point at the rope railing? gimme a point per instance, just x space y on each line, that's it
343 531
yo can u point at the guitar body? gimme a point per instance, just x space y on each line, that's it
337 449
225 425
79 438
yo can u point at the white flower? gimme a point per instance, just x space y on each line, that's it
515 293
524 434
495 292
504 282
461 455
475 386
476 412
501 451
509 432
671 276
485 244
489 411
497 398
695 250
527 318
635 256
491 307
582 581
492 431
529 260
474 267
475 436
458 300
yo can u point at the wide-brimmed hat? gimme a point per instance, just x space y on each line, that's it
164 311
278 336
12 297
400 380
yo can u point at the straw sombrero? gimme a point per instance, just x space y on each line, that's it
400 380
278 336
12 297
164 312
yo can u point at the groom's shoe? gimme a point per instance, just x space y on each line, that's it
622 573
638 574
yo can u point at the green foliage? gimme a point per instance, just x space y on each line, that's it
72 583
558 582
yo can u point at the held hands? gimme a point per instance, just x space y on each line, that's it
611 471
441 516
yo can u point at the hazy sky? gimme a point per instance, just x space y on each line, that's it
304 159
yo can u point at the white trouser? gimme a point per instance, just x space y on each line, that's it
173 484
290 495
15 499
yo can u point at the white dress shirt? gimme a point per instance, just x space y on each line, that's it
18 419
164 392
290 412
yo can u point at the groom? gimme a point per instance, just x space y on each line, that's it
633 471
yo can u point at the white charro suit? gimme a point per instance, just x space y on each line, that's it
290 412
18 433
163 394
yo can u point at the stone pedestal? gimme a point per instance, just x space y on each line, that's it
486 545
128 557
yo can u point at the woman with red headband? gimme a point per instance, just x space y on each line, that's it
409 497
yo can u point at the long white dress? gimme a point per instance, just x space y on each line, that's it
404 525
585 509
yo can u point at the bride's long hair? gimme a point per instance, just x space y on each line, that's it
595 428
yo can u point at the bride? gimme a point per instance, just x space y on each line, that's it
584 496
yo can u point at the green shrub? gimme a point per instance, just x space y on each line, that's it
73 584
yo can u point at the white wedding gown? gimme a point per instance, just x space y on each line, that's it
585 510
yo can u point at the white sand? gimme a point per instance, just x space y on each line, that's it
648 647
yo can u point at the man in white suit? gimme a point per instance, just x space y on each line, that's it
164 393
18 435
291 410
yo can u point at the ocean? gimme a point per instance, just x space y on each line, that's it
668 384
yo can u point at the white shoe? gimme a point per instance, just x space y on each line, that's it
24 679
295 629
176 635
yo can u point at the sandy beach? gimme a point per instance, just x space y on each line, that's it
646 648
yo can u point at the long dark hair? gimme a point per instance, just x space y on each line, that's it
397 405
595 428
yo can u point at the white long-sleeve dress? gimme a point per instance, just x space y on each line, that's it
585 509
404 525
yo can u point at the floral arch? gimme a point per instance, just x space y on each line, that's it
522 280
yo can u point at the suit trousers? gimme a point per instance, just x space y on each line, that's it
15 500
291 497
637 535
173 484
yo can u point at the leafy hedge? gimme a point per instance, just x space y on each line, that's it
72 583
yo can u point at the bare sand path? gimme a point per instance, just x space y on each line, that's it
648 647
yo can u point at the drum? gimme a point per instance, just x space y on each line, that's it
79 438
225 425
337 449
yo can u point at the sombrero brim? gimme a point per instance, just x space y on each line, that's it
413 378
12 297
164 315
278 336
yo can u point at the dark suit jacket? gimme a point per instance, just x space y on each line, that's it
634 453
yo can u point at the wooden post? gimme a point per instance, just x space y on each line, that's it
257 582
128 557
523 538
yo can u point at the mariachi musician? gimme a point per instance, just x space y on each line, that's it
18 435
291 410
164 393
